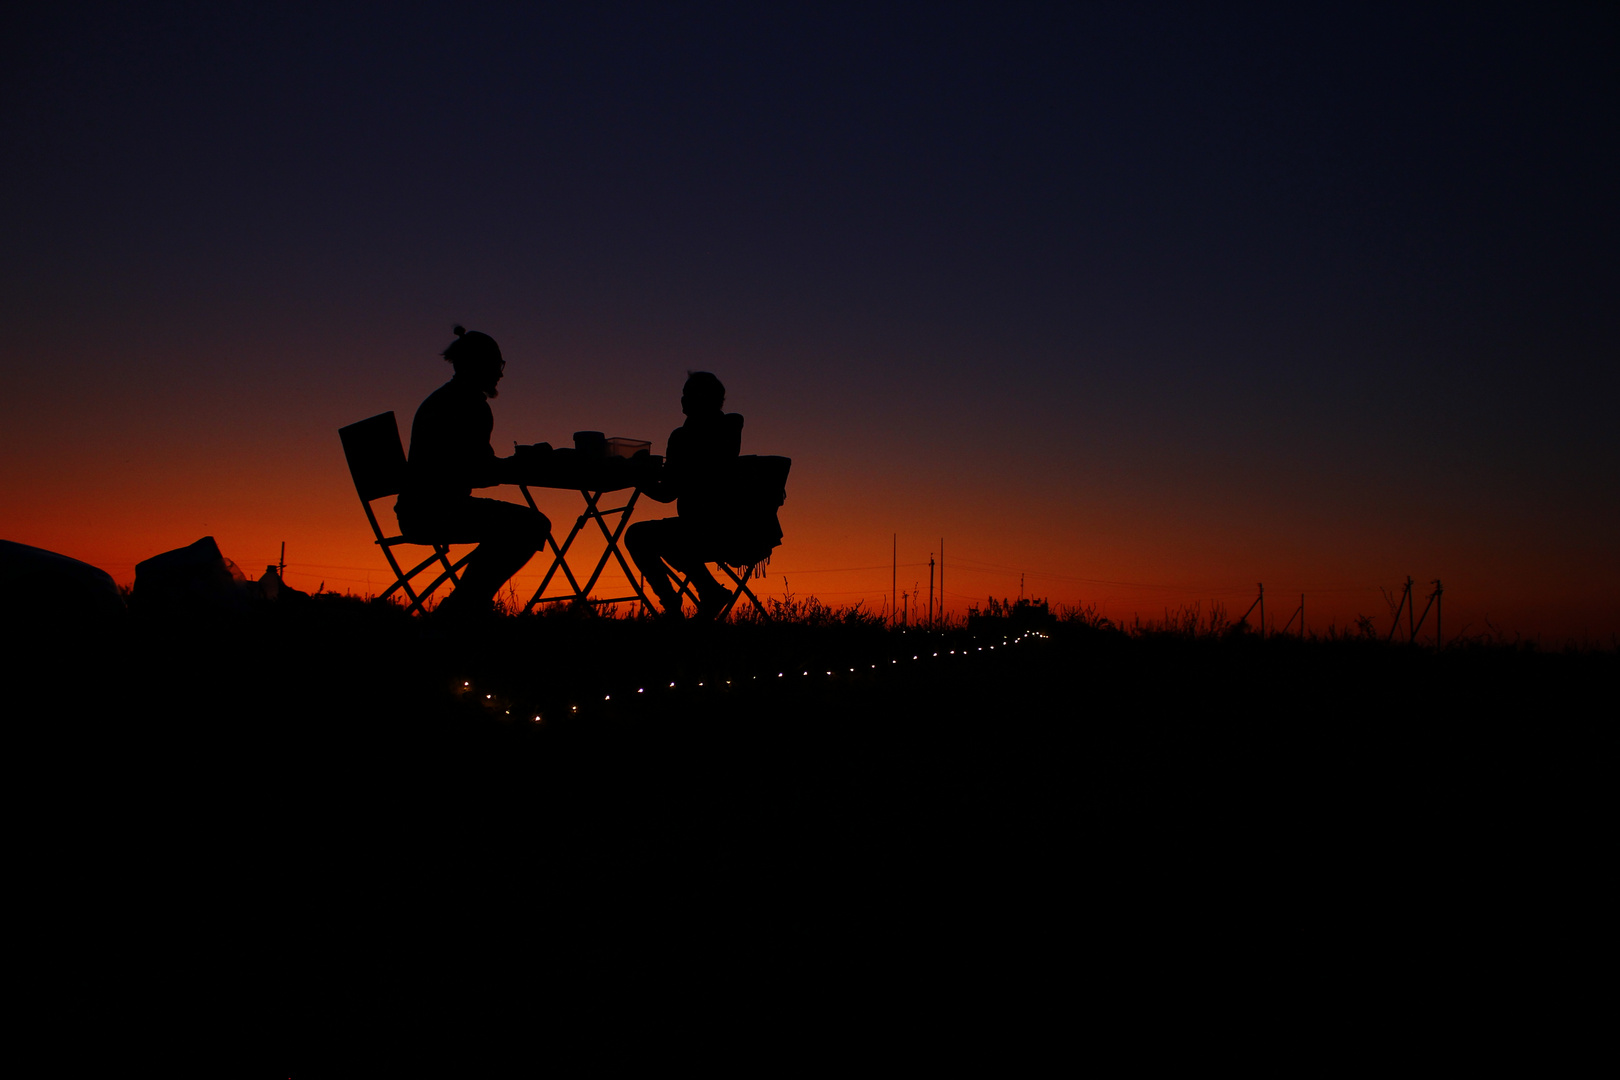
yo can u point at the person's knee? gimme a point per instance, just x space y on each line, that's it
539 529
642 538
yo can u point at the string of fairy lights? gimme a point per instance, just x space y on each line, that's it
492 700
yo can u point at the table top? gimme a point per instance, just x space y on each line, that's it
567 468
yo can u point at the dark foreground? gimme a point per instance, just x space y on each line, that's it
293 827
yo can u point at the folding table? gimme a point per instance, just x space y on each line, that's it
593 477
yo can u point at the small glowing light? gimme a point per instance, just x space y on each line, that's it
537 718
641 690
607 697
672 684
574 708
489 697
465 685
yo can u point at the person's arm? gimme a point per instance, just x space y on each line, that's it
667 488
505 470
483 468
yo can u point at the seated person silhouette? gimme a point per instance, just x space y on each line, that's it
450 455
695 473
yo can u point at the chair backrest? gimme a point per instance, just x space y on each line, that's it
759 486
376 456
760 481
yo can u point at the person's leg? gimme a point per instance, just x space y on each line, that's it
710 592
650 543
696 541
508 535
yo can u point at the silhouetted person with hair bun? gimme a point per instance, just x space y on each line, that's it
695 473
450 455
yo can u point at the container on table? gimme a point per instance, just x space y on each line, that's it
627 448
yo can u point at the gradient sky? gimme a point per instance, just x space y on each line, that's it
1150 303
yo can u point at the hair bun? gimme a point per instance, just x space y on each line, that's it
458 330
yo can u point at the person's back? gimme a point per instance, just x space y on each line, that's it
696 465
697 475
450 449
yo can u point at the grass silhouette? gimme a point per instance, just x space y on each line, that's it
332 791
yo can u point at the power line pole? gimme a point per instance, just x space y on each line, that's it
1259 602
1406 597
1434 602
930 589
895 574
1411 603
1299 613
942 578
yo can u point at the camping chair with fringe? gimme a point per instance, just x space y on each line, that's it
377 463
752 530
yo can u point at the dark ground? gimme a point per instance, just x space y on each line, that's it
286 823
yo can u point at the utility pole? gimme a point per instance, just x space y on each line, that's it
1434 602
281 565
1411 629
894 574
1406 600
942 579
1299 613
930 590
1259 602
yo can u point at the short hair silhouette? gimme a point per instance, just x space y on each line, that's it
702 386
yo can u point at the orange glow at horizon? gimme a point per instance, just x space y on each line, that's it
1129 554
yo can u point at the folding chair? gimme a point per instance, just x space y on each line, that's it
758 487
377 463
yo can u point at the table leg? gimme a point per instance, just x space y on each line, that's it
614 549
559 556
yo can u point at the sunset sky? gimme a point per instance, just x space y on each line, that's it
1145 303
